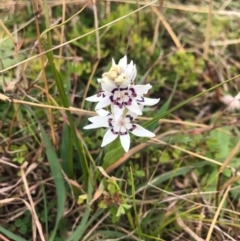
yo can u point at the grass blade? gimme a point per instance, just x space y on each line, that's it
11 235
57 177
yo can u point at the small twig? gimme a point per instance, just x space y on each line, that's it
208 31
168 28
35 216
96 27
187 229
3 238
217 214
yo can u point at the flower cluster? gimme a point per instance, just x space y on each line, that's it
126 102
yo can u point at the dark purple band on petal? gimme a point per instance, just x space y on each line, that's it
116 89
141 100
100 93
134 94
133 128
129 102
110 122
121 89
122 133
130 117
114 132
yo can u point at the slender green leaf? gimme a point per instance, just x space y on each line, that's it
11 235
114 152
174 173
57 177
72 132
64 149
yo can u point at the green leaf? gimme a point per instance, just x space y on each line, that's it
126 206
174 173
18 223
115 151
120 211
23 229
57 177
64 149
222 142
11 235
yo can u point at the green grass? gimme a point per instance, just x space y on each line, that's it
181 185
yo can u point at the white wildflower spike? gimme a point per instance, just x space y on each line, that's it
120 127
118 91
126 101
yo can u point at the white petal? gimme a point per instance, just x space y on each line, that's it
103 103
109 86
134 108
125 84
237 96
123 63
227 99
149 101
113 62
129 70
102 112
108 137
125 141
142 132
91 126
141 89
117 112
94 98
100 120
99 80
134 73
132 114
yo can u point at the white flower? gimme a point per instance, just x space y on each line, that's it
118 91
232 102
120 127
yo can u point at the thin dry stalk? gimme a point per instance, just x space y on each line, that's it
168 28
187 229
208 31
155 36
62 30
36 222
189 152
50 114
95 227
233 179
3 238
89 82
208 238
